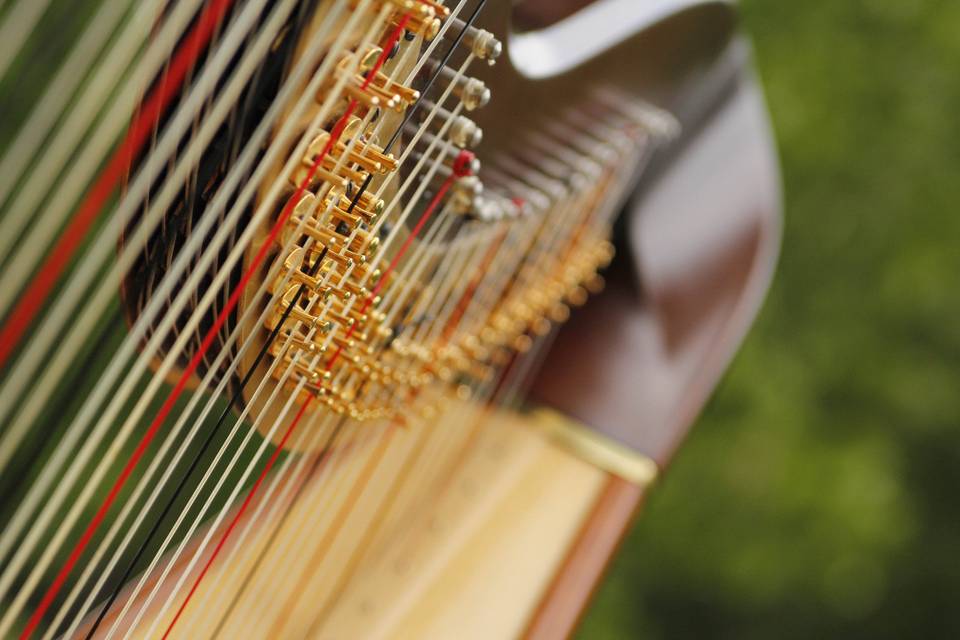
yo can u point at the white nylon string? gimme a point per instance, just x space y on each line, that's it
217 521
327 105
43 117
524 257
386 244
50 219
285 562
517 376
129 346
238 30
172 437
198 394
17 27
423 183
282 477
289 480
49 179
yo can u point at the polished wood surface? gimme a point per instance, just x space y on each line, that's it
695 265
696 258
581 571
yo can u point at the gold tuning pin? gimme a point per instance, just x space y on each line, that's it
335 167
323 235
312 375
352 312
368 212
362 152
481 43
419 13
355 289
367 200
311 177
423 16
577 297
346 258
295 340
293 264
595 284
350 219
376 91
296 313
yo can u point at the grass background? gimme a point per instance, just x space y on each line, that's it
817 496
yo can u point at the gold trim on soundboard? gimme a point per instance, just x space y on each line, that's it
596 449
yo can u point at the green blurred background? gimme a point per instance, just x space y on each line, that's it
817 495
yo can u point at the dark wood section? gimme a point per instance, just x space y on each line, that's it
639 362
538 14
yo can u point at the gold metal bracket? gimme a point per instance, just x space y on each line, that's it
595 448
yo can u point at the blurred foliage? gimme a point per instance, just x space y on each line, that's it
817 495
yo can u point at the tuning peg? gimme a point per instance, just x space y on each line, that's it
295 314
481 43
473 93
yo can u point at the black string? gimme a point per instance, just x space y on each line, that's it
243 383
312 469
195 462
416 105
299 22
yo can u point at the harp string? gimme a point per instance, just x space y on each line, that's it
260 451
22 549
196 396
130 344
51 332
446 294
17 26
399 223
368 468
168 469
117 398
65 168
440 194
42 120
275 519
514 379
278 585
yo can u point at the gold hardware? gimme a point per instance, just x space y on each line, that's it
596 449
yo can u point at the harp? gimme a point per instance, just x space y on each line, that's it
361 318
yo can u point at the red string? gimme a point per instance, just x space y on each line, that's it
337 131
256 485
168 404
461 168
239 514
90 209
92 206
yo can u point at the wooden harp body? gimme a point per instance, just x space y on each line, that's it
478 422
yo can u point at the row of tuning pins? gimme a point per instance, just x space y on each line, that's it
447 134
583 157
568 153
